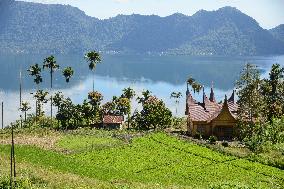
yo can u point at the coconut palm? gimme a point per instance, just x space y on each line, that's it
190 81
93 58
24 108
68 73
50 63
129 94
176 96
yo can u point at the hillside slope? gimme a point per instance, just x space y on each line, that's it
39 28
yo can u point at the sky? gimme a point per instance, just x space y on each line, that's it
268 13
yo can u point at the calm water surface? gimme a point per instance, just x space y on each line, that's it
159 74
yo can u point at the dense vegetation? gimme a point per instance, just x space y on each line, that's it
117 159
261 107
38 28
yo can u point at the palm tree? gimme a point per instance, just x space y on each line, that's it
68 73
35 71
24 108
50 63
93 58
129 94
190 81
177 96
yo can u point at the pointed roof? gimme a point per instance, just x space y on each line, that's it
212 95
232 98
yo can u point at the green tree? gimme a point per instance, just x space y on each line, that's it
145 96
128 93
95 99
273 92
250 101
93 58
35 71
41 97
24 108
50 63
176 96
154 115
68 73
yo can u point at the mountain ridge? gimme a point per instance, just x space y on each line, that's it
27 27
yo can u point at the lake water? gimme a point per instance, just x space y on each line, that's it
159 74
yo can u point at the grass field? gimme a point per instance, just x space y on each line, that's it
104 159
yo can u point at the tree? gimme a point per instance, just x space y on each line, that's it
145 96
41 97
250 101
68 73
93 58
35 71
273 90
176 96
24 108
154 115
50 63
129 94
189 81
95 99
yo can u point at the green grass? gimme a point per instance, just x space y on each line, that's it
79 143
153 160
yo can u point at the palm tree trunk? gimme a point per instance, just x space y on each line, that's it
93 81
51 95
25 116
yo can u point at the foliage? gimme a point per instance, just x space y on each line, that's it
226 31
273 92
50 63
93 58
212 139
24 108
154 115
35 71
68 73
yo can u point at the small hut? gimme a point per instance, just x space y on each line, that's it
112 121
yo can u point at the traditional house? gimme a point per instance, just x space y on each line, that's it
112 121
211 118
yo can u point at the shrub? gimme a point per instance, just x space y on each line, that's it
225 144
212 139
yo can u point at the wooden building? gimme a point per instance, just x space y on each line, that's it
210 118
112 121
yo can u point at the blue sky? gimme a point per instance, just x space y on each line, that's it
268 13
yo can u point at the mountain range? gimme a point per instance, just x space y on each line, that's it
36 28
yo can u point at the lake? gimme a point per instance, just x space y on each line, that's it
159 74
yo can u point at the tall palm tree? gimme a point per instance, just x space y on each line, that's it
68 73
176 96
93 58
190 81
128 93
50 63
24 108
35 71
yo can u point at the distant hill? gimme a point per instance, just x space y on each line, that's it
278 32
39 28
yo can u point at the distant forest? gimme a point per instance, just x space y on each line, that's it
60 29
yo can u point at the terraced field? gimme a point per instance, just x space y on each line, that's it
155 160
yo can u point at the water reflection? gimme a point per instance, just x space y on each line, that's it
161 75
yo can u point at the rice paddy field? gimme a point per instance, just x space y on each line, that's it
115 159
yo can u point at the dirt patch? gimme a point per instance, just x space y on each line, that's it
45 142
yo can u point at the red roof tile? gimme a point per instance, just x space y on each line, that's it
110 119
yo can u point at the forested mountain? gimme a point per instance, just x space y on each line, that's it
278 32
39 28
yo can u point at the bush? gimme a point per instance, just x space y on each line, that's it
225 144
212 139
